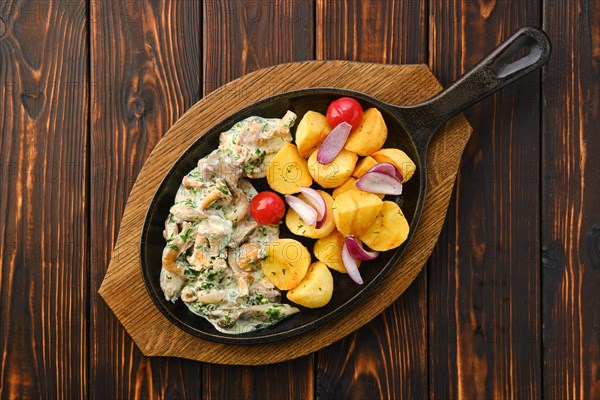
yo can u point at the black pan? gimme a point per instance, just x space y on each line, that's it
411 129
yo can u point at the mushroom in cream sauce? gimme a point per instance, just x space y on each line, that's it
212 259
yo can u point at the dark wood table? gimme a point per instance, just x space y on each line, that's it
506 307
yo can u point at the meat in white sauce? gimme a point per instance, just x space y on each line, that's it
212 259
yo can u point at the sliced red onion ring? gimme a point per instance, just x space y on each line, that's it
334 143
321 221
304 210
376 182
350 265
357 252
388 169
315 199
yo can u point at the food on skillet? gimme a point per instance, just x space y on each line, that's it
224 257
316 288
345 154
334 173
212 259
288 171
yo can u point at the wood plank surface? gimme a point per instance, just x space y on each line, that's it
145 70
507 305
379 31
387 358
241 37
484 286
571 199
43 138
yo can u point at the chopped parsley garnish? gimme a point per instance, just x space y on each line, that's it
223 189
187 234
228 320
256 300
273 313
207 285
211 275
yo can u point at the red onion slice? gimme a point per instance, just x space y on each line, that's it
304 210
334 143
357 252
388 169
350 265
322 220
376 182
315 199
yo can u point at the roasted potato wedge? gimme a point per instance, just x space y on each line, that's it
350 184
288 170
363 165
311 131
286 263
370 135
316 288
336 172
329 251
355 210
399 159
298 227
388 231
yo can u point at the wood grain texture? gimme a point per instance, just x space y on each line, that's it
286 380
380 31
123 288
570 198
484 286
507 257
388 357
145 73
385 359
43 138
240 37
243 36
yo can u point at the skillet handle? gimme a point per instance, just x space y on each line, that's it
500 68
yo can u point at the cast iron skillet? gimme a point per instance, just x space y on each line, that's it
410 129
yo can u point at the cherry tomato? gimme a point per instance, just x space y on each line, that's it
267 208
344 109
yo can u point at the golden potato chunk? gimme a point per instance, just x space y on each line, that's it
297 226
389 230
286 263
316 288
350 184
355 210
336 172
370 135
311 131
363 165
329 251
399 159
288 171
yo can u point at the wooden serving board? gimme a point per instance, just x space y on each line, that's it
123 288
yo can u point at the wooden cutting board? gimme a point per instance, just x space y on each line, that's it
123 288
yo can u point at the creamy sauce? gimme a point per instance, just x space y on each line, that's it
212 259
